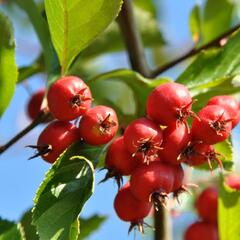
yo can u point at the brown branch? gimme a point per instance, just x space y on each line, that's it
162 224
138 61
192 52
44 116
132 39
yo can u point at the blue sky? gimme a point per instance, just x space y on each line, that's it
20 178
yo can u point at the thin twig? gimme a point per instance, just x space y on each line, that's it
138 62
192 52
42 117
132 39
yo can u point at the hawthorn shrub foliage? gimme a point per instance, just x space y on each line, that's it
128 121
206 205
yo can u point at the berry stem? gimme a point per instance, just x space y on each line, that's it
193 52
162 224
42 117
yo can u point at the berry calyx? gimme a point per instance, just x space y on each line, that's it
178 185
119 162
152 183
98 125
196 154
176 137
201 230
169 103
68 98
230 104
143 137
130 209
207 204
214 125
233 181
34 104
54 139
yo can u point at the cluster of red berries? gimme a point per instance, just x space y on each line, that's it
152 148
233 181
207 208
68 99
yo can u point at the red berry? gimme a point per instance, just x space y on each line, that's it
143 136
213 126
231 106
119 158
130 209
178 185
202 230
207 204
152 182
233 181
196 154
99 125
178 178
119 162
175 139
34 104
54 139
168 103
68 98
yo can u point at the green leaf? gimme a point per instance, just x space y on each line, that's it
214 67
217 18
208 23
90 225
8 68
29 230
139 85
5 225
59 200
93 153
228 213
29 71
147 5
111 40
75 230
74 24
10 230
41 28
195 23
223 86
225 149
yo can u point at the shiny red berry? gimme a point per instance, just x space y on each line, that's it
119 162
178 185
98 125
214 125
175 139
152 183
207 204
169 103
178 178
230 104
201 230
54 139
196 154
68 98
130 209
233 181
34 104
143 137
